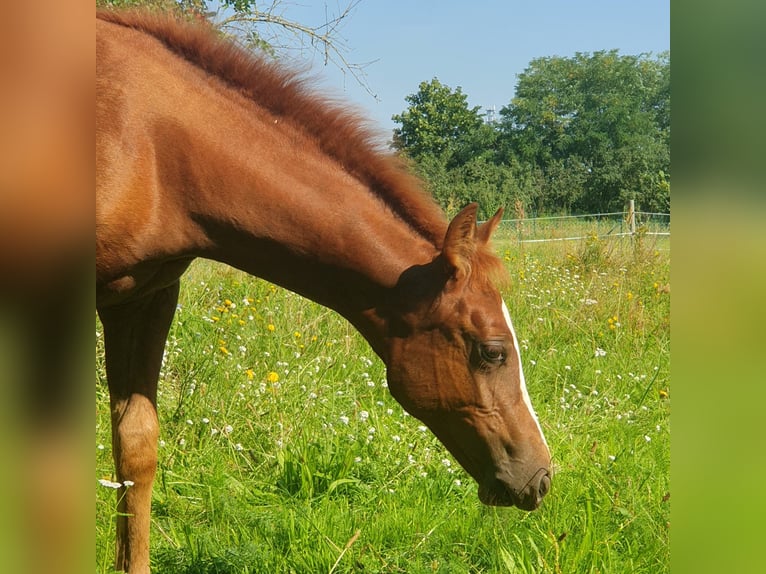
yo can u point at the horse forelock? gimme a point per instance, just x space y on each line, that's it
489 269
286 94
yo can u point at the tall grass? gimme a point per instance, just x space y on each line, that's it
282 451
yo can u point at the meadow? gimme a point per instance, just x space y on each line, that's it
282 450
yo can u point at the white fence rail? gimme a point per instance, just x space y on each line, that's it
580 227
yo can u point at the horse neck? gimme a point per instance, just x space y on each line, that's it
272 204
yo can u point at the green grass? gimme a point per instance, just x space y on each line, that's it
282 450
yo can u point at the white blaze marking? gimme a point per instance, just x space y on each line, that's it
524 393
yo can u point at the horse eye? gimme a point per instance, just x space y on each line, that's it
493 353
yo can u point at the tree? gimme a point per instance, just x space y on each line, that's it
596 124
437 122
454 149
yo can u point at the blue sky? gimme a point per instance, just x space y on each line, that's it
480 45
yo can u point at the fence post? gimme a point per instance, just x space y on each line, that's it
632 216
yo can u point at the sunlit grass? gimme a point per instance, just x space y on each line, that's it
280 441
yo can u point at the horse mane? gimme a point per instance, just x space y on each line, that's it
339 133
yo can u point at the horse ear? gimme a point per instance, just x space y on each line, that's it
487 228
460 241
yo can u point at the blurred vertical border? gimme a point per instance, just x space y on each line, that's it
718 468
47 222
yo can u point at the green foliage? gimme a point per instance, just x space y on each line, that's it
158 4
195 6
582 134
437 121
455 150
479 179
599 120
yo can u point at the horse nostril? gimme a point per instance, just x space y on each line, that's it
544 486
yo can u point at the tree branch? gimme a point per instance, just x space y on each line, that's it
324 38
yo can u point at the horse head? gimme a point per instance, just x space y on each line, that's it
453 362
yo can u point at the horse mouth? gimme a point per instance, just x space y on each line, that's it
497 493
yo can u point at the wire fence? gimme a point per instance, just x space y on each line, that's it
618 224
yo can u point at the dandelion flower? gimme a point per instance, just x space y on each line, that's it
271 327
272 377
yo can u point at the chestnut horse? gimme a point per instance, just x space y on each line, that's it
204 150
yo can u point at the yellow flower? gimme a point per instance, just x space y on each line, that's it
250 374
630 296
227 302
271 327
297 335
224 350
272 377
215 319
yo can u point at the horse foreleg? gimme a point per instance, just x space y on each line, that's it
134 340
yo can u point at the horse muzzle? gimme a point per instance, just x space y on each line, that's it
497 492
